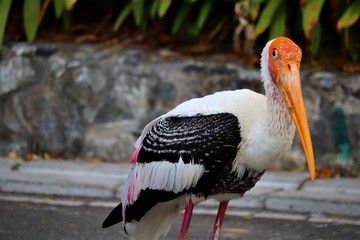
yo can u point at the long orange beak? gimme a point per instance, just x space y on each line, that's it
289 86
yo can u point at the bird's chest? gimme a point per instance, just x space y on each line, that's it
260 152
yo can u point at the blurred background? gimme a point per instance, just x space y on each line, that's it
79 80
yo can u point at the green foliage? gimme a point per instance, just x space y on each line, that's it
278 26
273 16
122 16
351 44
163 7
181 16
316 39
138 11
313 20
267 16
350 16
66 20
218 27
159 8
203 14
31 18
137 8
69 4
346 21
154 9
4 12
59 6
310 17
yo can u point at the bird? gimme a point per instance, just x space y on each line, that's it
214 147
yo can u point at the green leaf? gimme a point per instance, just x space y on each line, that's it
153 9
266 16
254 8
69 4
164 6
138 11
192 31
350 16
122 16
352 46
310 16
278 25
204 14
181 16
59 6
4 13
66 19
31 18
316 40
219 26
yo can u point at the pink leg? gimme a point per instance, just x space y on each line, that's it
186 220
219 220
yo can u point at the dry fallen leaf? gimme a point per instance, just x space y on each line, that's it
16 166
12 155
351 68
30 157
248 217
323 173
95 160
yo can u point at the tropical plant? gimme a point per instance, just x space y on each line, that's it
273 16
33 12
4 12
346 21
205 19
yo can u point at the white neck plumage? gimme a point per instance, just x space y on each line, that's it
279 122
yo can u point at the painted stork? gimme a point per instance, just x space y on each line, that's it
217 146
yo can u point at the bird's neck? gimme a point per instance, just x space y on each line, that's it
280 125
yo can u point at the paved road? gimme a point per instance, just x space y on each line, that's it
27 221
276 191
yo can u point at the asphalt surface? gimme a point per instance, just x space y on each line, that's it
47 199
27 221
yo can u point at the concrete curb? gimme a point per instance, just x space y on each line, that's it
275 192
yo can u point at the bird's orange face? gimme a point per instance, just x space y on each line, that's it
283 54
284 66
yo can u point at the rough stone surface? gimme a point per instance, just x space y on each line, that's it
93 101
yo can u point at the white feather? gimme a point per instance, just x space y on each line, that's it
163 175
157 221
145 131
264 71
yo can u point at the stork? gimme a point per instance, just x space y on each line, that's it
216 147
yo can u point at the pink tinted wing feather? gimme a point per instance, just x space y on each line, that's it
135 156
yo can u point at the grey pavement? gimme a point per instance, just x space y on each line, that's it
278 195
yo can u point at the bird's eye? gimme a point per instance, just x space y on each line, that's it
275 53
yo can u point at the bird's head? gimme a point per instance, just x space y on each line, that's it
283 62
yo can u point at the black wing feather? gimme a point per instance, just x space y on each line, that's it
209 140
114 217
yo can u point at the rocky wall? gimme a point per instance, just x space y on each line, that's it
93 101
